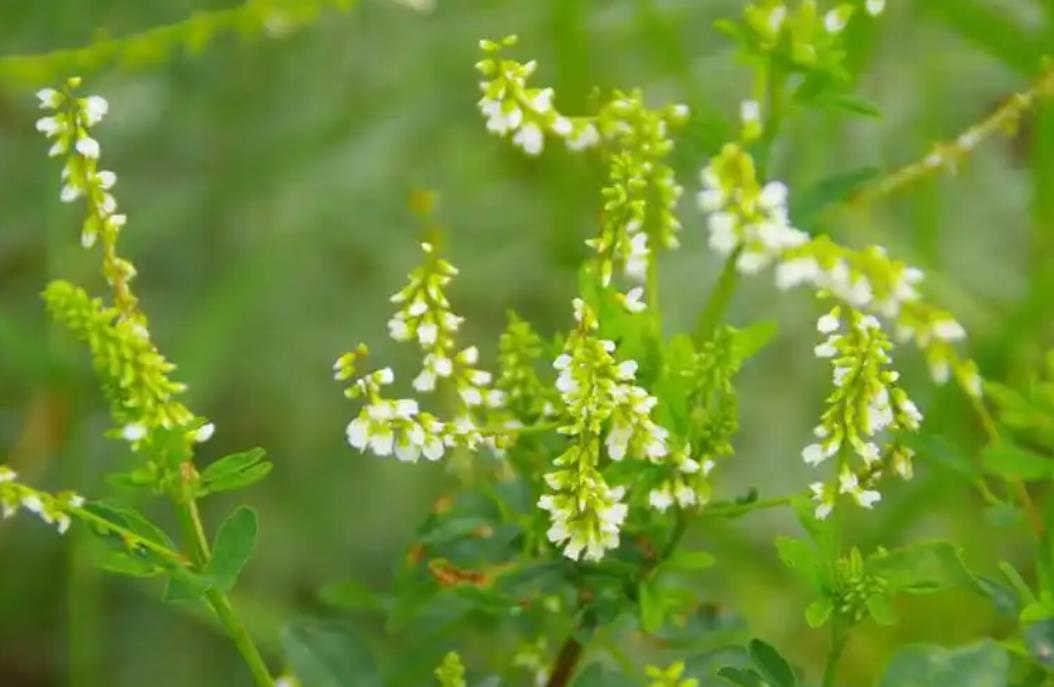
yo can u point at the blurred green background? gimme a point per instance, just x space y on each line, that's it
266 183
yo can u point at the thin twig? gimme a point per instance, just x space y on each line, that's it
948 154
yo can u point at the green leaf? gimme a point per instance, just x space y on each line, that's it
691 561
127 563
801 557
236 471
233 547
880 610
749 341
741 677
232 464
775 669
352 595
329 653
852 103
818 613
1005 599
829 191
922 568
983 664
184 586
1010 461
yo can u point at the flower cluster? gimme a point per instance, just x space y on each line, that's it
669 677
70 125
750 218
511 107
424 315
451 672
387 426
519 348
806 35
641 196
745 216
689 485
52 509
866 402
134 374
586 513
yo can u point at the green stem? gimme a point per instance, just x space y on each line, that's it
194 530
734 510
838 641
652 284
720 298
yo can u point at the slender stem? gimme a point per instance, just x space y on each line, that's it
949 154
734 510
241 637
566 660
838 641
194 531
130 538
653 281
720 298
680 527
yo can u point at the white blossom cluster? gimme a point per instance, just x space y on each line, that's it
865 403
53 510
528 114
689 486
744 216
424 316
393 427
586 513
748 217
599 395
70 126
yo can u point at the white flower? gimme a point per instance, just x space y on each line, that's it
587 137
828 323
32 503
774 196
49 98
948 330
88 147
814 454
660 499
95 108
204 433
834 21
530 138
50 126
750 112
875 7
133 432
633 300
796 271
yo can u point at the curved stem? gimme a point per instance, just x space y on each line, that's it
948 154
566 660
194 531
734 510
